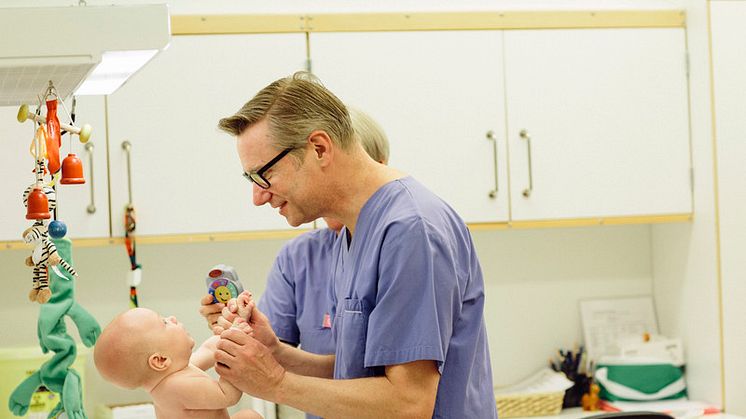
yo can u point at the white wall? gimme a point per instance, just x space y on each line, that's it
729 65
534 280
684 256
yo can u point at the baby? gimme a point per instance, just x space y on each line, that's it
139 348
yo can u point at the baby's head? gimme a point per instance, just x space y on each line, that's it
139 347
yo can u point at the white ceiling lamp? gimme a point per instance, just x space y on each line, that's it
89 50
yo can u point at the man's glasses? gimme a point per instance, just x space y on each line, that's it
258 176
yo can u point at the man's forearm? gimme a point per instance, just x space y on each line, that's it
373 397
301 362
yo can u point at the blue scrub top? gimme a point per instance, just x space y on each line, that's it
409 287
297 297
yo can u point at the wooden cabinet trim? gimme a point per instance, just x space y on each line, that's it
423 21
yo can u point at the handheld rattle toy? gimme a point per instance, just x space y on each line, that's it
223 284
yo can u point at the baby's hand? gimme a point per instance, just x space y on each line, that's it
236 309
244 304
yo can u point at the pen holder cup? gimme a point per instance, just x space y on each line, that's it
574 394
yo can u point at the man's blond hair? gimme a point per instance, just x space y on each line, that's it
294 106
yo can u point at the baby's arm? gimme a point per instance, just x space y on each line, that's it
204 357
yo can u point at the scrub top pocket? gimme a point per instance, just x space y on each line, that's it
351 324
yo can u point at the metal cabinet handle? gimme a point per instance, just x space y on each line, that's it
527 192
491 137
91 208
127 147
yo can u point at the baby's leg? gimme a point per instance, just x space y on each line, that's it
247 414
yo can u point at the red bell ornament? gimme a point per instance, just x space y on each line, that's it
72 170
38 205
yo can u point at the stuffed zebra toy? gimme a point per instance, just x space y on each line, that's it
42 258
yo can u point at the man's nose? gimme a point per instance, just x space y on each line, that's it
172 319
261 196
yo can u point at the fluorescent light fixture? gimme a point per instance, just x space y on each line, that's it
93 49
113 70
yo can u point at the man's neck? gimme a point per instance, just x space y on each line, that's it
371 179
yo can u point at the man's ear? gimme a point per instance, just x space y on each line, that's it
322 145
158 362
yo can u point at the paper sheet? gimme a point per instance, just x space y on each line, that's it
606 321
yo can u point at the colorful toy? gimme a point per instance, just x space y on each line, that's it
53 286
591 401
83 132
38 198
72 170
57 229
56 374
135 275
42 258
50 132
223 284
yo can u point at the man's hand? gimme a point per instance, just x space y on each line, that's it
248 365
259 323
211 312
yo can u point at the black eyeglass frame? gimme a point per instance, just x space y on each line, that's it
258 176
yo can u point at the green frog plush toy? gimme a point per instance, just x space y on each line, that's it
56 374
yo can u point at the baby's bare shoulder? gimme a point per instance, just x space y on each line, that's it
172 386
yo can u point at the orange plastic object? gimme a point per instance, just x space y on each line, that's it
38 206
54 137
72 170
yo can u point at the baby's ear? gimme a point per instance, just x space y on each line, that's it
158 362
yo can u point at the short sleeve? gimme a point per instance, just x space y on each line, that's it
278 301
417 296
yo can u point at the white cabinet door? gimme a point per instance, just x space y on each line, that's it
186 176
729 71
607 114
72 200
436 94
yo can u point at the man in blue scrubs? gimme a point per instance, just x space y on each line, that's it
408 315
297 298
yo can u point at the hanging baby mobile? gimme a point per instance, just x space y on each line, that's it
40 197
53 283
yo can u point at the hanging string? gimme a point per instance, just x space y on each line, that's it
130 225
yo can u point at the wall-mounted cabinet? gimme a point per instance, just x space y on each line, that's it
186 177
436 94
505 125
607 114
563 140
